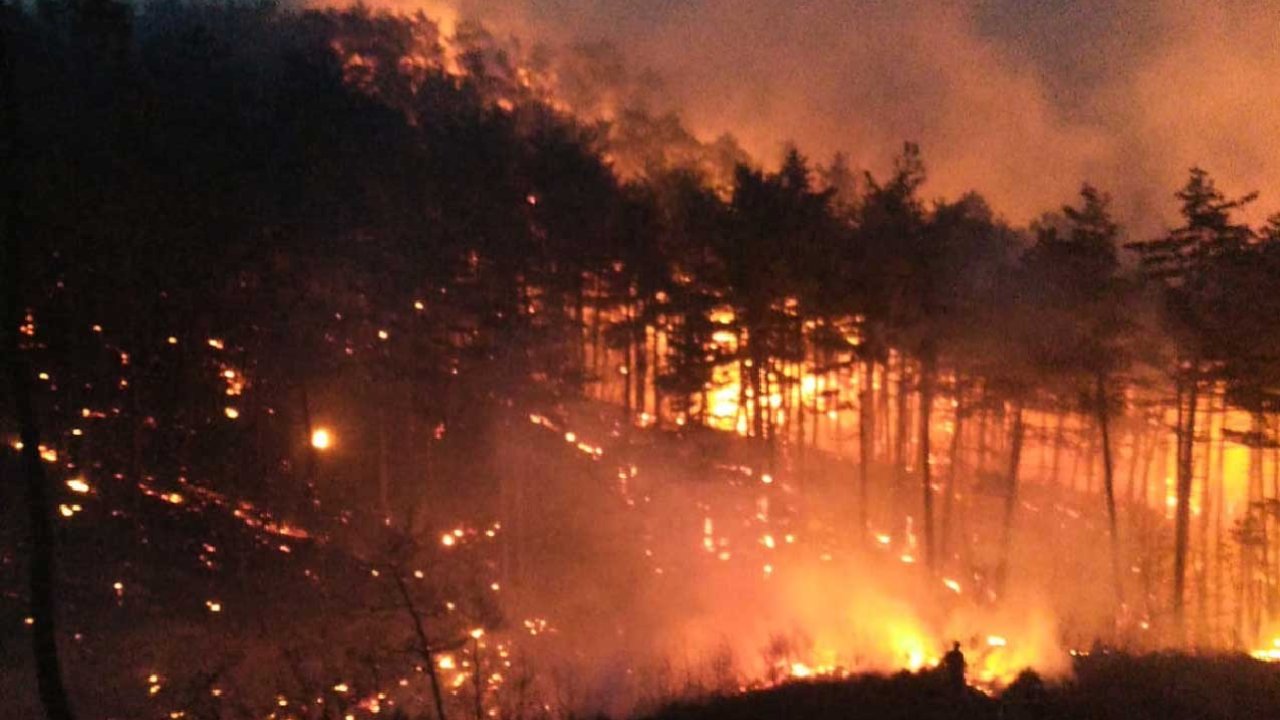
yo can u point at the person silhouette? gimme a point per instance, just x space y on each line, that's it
954 664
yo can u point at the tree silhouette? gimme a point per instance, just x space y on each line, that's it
1189 264
1082 299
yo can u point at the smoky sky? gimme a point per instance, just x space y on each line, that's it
1021 101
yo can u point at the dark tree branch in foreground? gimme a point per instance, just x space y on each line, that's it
53 693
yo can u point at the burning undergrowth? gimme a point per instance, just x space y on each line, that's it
711 576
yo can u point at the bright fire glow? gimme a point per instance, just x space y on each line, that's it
321 439
1270 654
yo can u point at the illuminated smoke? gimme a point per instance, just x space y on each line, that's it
1017 101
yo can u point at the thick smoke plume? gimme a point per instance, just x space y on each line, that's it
1020 101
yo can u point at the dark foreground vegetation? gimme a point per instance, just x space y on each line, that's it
1105 687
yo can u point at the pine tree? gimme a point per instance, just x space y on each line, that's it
1188 265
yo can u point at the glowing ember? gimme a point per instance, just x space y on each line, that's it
321 439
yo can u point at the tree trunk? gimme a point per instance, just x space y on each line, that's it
882 428
628 367
949 493
866 453
428 654
704 397
580 318
771 430
1055 463
820 390
757 408
751 381
903 399
655 370
42 567
1258 555
1219 515
1074 476
1135 454
926 489
1274 553
1202 532
1157 456
795 399
1103 408
1247 605
641 367
1089 476
1011 497
981 464
597 322
1186 442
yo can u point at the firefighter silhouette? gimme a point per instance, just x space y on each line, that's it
953 663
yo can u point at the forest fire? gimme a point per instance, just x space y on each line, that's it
443 378
904 643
